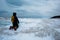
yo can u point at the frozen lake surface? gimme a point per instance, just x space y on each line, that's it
31 29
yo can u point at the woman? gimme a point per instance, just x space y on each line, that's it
14 21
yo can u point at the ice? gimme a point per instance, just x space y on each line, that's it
31 29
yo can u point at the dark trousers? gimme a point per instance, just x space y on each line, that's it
15 24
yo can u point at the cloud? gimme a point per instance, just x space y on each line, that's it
44 7
33 8
15 2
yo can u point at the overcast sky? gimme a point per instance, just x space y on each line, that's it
30 8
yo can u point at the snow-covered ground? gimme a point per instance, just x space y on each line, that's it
31 29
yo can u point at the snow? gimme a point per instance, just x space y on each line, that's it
31 29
